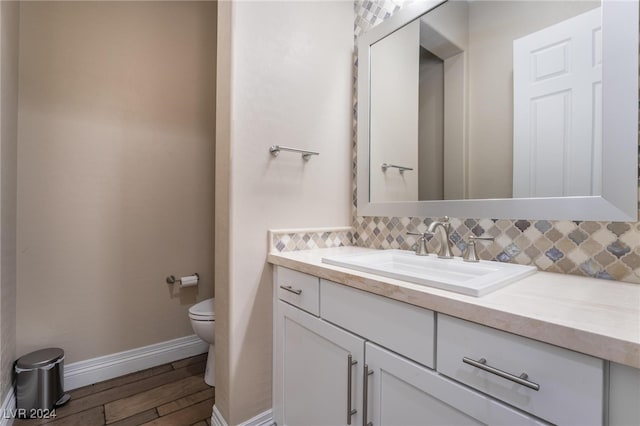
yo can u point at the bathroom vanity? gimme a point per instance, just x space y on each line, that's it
352 347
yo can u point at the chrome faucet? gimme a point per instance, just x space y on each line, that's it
445 243
421 245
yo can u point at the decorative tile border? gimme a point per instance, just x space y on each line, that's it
282 240
609 250
370 13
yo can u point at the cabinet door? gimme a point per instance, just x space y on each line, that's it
624 394
401 392
312 371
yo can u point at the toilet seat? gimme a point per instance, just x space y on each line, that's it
203 311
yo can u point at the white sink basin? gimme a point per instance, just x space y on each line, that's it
474 279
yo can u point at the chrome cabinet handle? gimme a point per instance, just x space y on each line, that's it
365 396
521 379
291 289
350 411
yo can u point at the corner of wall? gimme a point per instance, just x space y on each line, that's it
10 16
222 204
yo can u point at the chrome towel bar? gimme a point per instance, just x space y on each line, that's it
385 166
275 151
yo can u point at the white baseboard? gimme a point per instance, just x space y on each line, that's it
217 419
8 409
107 367
262 419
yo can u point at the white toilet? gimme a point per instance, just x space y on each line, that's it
203 321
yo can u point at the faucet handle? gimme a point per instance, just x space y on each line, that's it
424 234
421 248
470 254
443 219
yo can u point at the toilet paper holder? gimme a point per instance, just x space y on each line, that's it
171 279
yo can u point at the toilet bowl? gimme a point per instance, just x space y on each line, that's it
203 322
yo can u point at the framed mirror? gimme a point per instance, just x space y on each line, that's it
500 109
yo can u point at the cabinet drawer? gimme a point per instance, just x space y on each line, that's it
398 326
299 289
571 384
401 392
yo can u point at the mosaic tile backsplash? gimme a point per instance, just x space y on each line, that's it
292 240
608 250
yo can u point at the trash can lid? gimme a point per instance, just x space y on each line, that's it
40 358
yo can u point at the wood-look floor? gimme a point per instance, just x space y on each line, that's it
173 394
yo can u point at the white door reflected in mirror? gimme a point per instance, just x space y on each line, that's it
557 109
489 99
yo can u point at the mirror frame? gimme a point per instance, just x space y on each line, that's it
619 199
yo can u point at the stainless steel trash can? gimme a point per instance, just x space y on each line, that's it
39 381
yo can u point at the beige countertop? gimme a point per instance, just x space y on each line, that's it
588 315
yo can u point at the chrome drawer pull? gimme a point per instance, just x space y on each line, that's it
365 396
521 380
291 289
350 411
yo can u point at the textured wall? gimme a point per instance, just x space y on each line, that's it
288 66
608 250
9 13
115 172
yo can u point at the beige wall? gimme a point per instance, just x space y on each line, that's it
115 172
9 14
290 69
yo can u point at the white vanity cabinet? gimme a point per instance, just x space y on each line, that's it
346 356
320 362
319 379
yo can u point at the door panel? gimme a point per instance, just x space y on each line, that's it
314 362
557 79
